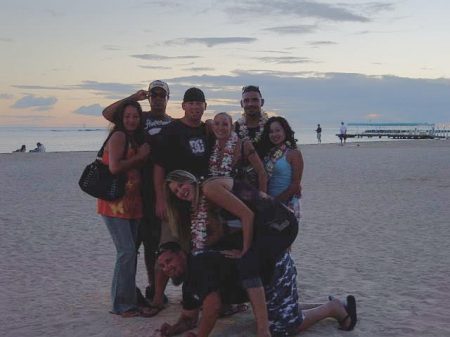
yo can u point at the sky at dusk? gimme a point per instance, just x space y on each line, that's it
63 61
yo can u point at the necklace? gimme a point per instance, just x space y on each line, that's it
223 167
243 129
273 156
199 220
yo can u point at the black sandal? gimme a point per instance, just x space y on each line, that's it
350 308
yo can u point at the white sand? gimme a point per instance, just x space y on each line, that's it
376 224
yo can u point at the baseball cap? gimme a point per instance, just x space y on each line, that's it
159 84
194 95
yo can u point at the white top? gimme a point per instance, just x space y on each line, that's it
343 130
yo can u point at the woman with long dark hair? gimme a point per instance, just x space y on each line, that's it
124 152
283 162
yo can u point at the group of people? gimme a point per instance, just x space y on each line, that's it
39 148
216 206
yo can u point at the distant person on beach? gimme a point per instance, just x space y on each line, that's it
343 133
283 162
125 151
319 134
39 148
23 148
149 231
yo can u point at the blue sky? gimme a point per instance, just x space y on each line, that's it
315 61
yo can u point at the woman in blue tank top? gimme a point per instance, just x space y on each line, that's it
283 162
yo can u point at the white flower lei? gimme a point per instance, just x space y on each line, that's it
272 157
225 166
199 220
243 130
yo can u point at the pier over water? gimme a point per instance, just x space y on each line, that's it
396 130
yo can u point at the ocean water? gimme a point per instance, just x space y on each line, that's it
63 139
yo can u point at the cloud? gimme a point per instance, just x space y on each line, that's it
285 59
296 8
321 43
41 87
6 96
90 110
298 29
111 47
156 57
211 41
199 69
155 67
108 87
38 103
310 98
6 40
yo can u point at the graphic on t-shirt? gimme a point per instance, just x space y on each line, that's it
197 146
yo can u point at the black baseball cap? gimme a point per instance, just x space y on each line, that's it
194 95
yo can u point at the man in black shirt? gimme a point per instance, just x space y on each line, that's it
184 144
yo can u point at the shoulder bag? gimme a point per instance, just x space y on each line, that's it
98 181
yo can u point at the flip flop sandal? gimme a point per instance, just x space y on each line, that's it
350 307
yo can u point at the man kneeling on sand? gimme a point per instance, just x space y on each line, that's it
207 279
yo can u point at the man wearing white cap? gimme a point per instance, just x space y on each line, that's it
149 230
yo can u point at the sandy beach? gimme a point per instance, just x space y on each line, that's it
376 225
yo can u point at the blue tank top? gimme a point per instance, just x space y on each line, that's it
281 177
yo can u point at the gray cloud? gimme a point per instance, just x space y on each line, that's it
199 69
311 98
211 41
156 57
321 43
6 96
42 87
296 8
285 59
5 39
298 29
155 67
31 101
90 110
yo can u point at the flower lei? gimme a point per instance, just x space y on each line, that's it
199 220
272 157
243 130
224 166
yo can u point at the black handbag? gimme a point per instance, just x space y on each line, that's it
98 181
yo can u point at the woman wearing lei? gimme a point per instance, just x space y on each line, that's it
230 152
283 162
268 229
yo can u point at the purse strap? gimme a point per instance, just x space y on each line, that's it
100 152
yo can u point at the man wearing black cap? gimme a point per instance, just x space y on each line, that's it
184 144
149 230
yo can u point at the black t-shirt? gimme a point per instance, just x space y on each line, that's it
152 127
209 271
182 147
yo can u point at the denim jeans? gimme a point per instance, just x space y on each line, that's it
123 289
